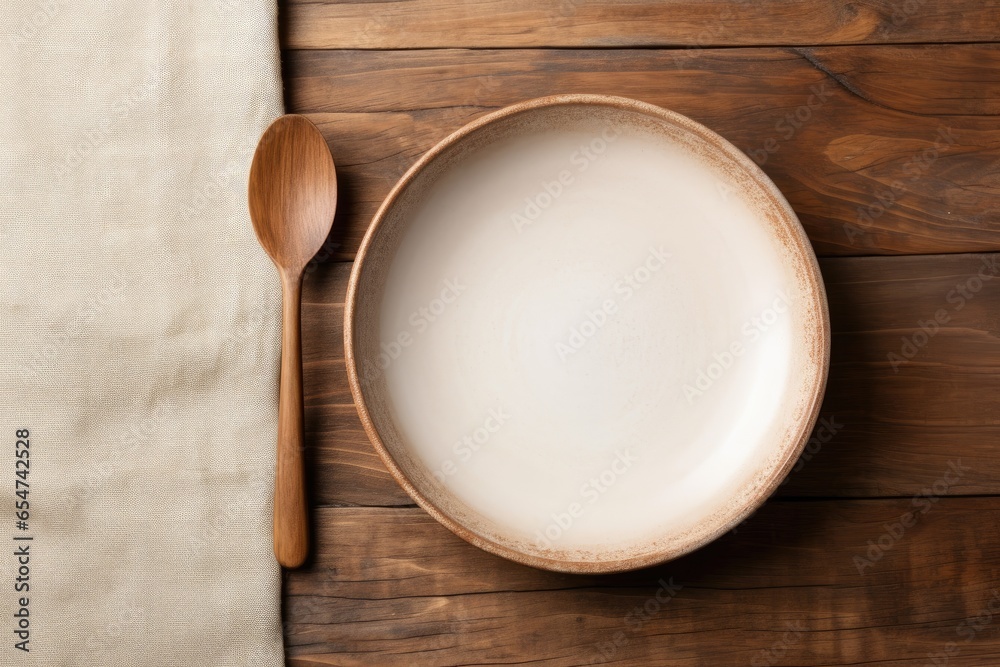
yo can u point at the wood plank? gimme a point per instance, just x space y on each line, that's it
873 159
404 24
892 424
392 587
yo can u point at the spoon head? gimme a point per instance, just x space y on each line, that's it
293 191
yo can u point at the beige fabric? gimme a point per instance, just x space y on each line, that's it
139 332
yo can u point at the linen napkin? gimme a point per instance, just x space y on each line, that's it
139 334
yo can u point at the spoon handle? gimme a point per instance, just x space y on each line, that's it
291 536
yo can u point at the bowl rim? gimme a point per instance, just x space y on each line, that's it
798 239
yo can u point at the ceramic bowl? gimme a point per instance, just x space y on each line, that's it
587 334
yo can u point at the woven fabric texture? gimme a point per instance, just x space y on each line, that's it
140 335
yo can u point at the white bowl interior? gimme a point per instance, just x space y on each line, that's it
591 335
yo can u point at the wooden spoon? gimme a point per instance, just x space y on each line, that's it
293 196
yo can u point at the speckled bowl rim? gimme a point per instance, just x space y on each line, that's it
820 352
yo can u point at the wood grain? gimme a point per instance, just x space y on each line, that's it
389 586
798 583
888 150
406 24
292 198
889 425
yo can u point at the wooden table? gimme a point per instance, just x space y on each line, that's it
878 120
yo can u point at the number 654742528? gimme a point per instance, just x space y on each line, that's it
22 467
